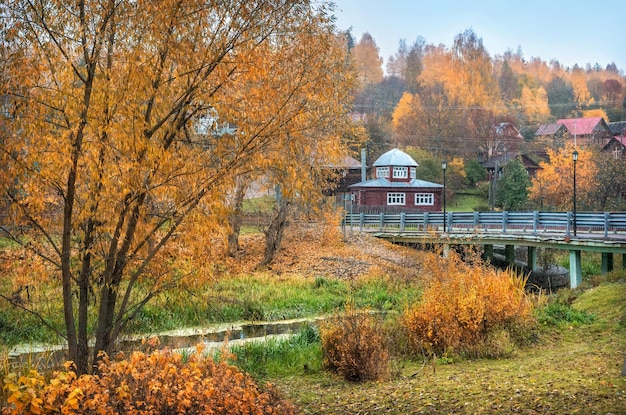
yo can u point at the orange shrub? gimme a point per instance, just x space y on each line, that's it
353 346
156 384
462 304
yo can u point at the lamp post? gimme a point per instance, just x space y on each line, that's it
575 159
444 166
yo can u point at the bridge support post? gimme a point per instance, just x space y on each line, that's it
575 269
607 262
532 258
509 254
488 253
446 250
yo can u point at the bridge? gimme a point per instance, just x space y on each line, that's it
603 232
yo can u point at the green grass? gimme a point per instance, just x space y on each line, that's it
263 204
465 203
301 353
268 298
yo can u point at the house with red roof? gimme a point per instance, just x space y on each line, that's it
580 131
587 131
395 186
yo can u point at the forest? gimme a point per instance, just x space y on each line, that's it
446 102
432 96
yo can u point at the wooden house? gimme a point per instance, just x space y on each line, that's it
496 164
616 147
552 131
618 129
395 187
345 173
580 131
587 131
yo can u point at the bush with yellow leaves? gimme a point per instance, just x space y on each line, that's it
354 347
160 383
467 306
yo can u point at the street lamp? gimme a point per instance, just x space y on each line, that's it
444 166
575 158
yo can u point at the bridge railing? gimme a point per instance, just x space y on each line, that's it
536 222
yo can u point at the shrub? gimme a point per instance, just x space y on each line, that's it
155 384
353 346
463 304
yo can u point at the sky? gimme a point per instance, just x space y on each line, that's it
570 31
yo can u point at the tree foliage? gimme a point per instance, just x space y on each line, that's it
512 190
553 186
116 157
367 60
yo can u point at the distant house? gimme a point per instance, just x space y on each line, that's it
587 131
395 186
496 164
552 131
506 138
581 131
347 172
616 147
618 129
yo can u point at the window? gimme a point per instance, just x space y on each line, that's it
382 171
400 173
413 173
424 199
395 198
617 153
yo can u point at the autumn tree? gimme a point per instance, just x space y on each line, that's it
552 187
407 63
113 156
367 60
609 190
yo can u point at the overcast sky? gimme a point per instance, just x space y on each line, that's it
572 31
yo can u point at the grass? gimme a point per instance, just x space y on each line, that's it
276 358
571 369
265 297
465 203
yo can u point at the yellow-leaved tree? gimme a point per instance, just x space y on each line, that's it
553 186
367 60
115 150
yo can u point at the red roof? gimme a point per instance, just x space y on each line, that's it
580 126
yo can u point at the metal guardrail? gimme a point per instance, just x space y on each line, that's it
604 223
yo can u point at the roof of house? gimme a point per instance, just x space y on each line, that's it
346 163
581 126
382 182
612 143
395 157
548 129
618 127
503 159
507 129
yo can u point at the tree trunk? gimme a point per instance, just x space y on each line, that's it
234 219
274 233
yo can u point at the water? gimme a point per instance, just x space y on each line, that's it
213 337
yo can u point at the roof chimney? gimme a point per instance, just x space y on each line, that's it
363 165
